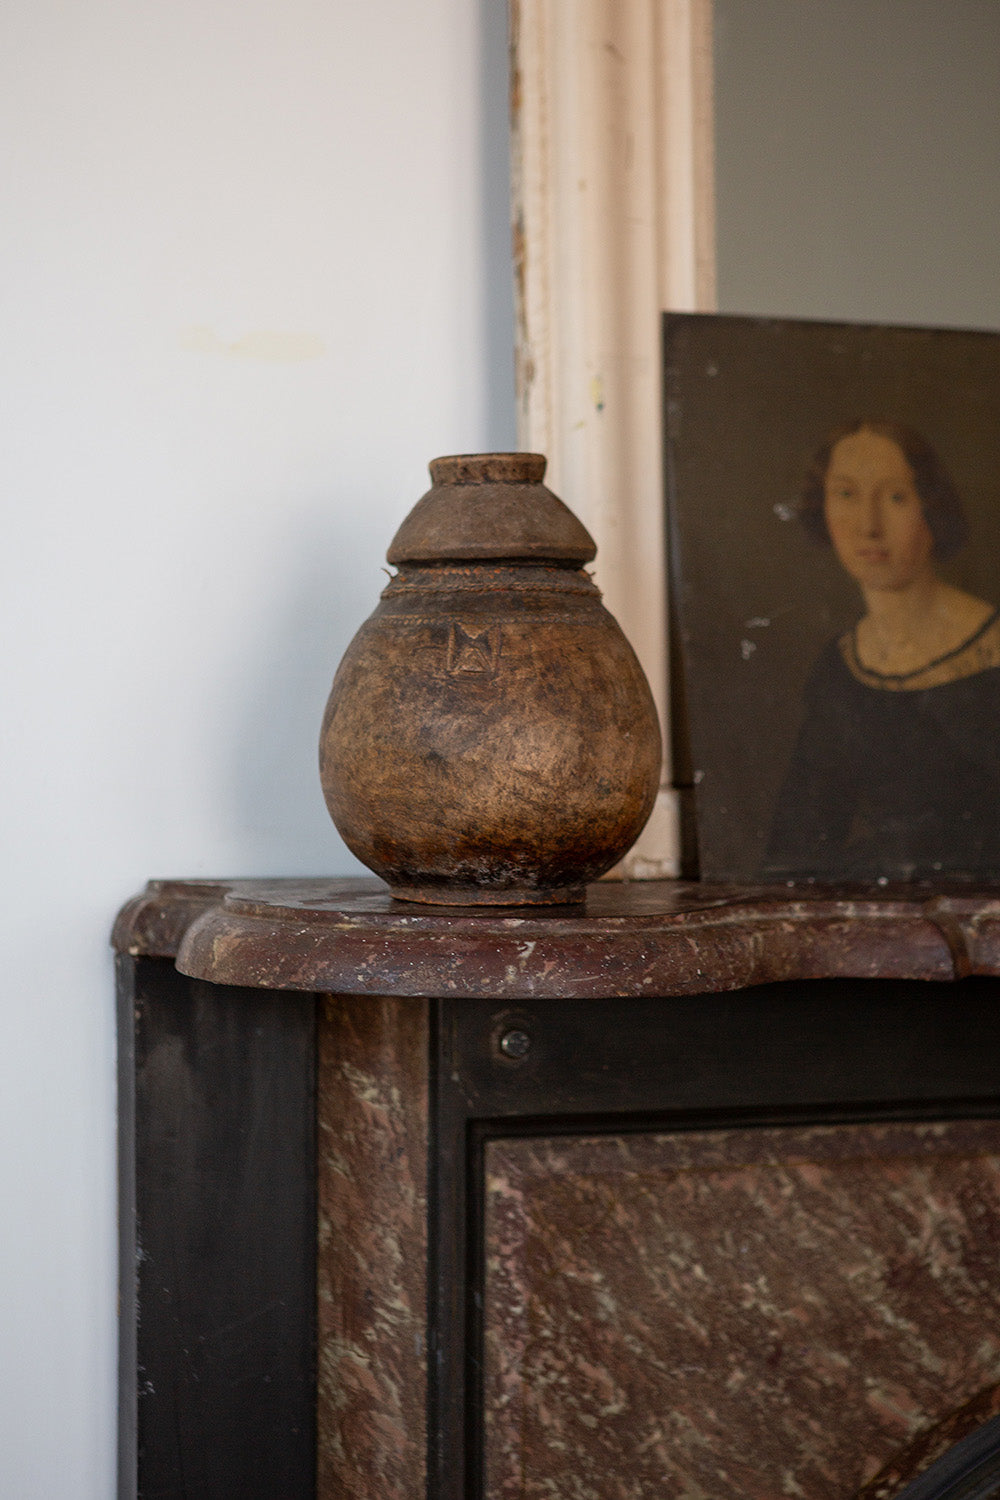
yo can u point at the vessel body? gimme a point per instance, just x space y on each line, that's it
490 737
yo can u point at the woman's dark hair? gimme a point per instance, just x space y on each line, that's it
943 510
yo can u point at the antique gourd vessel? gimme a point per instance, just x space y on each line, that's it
490 736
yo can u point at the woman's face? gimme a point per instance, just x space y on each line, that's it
873 513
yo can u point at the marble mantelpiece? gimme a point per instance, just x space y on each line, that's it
774 1085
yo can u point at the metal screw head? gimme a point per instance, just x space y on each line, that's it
515 1043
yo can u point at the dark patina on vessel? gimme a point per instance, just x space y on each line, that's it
490 737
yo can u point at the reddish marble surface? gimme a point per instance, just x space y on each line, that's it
657 937
734 1315
932 1444
372 1186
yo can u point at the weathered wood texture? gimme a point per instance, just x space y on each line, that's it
490 737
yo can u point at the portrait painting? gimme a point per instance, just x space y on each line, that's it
833 500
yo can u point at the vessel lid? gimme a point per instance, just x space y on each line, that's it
490 506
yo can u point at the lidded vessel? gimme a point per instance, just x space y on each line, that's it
490 737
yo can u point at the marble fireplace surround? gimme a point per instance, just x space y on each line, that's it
728 1228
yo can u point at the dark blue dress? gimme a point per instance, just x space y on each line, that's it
888 782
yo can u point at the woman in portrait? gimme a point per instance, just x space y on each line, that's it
896 770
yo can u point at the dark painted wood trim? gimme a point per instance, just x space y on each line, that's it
218 1236
128 1247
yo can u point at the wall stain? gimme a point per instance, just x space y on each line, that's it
269 345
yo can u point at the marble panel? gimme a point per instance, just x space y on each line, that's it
742 1314
372 1278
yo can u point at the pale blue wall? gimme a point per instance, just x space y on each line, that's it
192 530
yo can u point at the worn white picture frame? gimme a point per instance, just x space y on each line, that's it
613 204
